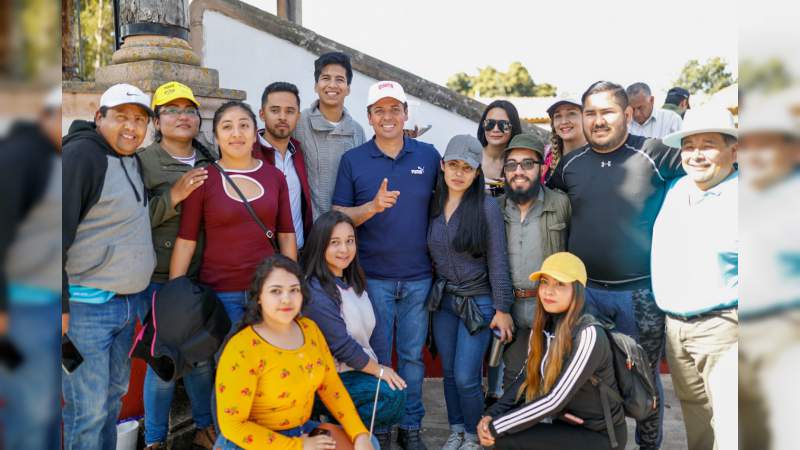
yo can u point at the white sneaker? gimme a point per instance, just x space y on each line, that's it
454 441
469 444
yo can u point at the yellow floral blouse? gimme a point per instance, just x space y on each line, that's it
261 388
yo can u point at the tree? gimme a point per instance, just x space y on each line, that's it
97 35
460 82
489 82
710 77
769 76
518 81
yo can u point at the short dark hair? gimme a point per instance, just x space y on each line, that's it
280 86
638 88
617 91
103 110
229 105
327 59
513 117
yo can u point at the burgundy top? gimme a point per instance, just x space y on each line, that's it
235 244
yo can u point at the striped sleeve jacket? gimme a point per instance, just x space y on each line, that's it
572 391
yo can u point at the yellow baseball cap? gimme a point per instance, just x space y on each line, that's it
168 92
564 267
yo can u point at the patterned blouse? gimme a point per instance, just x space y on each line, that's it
262 389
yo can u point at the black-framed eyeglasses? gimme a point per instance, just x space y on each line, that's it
489 124
527 164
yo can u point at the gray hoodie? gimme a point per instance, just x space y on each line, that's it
106 235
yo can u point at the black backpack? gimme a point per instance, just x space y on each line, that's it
637 391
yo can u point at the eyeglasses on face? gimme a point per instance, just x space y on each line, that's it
527 164
489 124
175 111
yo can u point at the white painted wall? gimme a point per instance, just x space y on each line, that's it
250 59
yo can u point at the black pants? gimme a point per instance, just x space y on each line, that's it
561 436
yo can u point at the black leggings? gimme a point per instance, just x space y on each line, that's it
561 436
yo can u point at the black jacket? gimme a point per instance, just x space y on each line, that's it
186 325
572 393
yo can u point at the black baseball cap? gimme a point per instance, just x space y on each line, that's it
678 92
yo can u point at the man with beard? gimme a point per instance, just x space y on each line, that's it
537 222
280 111
616 185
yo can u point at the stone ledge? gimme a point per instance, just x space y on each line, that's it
158 70
93 87
317 44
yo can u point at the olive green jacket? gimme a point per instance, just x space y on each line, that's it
160 172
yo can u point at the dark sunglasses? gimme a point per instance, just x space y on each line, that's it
489 124
527 164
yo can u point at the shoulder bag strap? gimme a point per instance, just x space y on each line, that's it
267 232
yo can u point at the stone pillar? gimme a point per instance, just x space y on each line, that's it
155 50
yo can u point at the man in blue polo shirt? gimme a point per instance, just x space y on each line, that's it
385 185
695 266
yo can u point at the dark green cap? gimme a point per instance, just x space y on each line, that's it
528 141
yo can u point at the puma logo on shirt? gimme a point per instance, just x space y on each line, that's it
418 171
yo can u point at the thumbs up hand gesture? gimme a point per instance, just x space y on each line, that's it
385 198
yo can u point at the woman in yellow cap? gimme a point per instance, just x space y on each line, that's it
172 167
553 403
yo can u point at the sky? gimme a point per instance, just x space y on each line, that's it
567 43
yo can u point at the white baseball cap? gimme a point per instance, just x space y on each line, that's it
123 94
383 89
705 119
563 101
53 98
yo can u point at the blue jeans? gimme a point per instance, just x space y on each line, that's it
234 303
103 334
462 360
636 314
224 444
199 383
402 304
31 416
495 380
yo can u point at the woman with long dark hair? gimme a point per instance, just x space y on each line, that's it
553 403
472 291
272 367
340 306
235 243
499 123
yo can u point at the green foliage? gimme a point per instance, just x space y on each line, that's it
489 82
710 77
769 76
40 23
97 35
460 82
